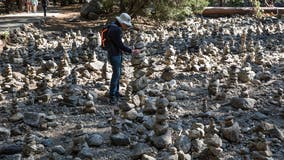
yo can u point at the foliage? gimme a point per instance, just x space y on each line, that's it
5 35
161 9
257 9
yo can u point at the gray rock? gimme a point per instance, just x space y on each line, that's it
51 117
34 119
10 149
4 133
86 153
232 133
181 95
183 143
125 106
16 117
196 133
140 149
259 116
168 74
197 145
147 157
162 141
214 141
11 157
246 76
150 106
131 115
148 122
95 140
162 103
120 139
183 156
276 132
59 149
243 103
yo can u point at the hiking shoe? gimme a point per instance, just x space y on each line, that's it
113 100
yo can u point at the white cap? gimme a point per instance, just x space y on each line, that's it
125 19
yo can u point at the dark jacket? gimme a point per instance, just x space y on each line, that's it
115 44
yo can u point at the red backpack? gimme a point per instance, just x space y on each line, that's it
104 37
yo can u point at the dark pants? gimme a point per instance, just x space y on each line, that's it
116 63
44 10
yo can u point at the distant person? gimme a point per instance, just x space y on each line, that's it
34 5
44 4
29 5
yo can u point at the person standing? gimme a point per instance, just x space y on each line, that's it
34 5
44 4
115 50
29 5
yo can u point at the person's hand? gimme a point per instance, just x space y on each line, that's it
135 51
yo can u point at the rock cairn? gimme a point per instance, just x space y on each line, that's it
163 135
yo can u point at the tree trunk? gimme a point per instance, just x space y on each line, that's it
122 6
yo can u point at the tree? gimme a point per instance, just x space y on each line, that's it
163 9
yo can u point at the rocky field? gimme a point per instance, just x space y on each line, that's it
201 89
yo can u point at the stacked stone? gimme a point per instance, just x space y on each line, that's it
117 137
214 87
233 73
30 147
139 63
231 130
8 73
89 104
246 74
196 135
8 79
44 92
259 148
162 137
64 68
169 71
243 41
80 146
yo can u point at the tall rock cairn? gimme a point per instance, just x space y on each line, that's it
162 137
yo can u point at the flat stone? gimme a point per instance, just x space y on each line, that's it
140 149
125 106
243 103
16 117
59 149
120 139
131 115
34 119
10 149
